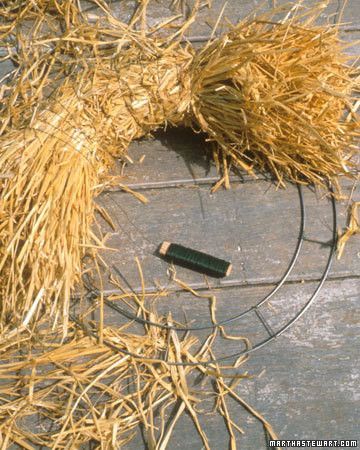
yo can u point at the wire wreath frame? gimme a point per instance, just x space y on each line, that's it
255 309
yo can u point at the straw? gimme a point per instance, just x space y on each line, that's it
352 228
65 394
269 96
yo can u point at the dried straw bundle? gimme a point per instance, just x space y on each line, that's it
67 150
268 95
273 96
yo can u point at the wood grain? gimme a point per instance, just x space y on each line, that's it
253 225
236 10
310 387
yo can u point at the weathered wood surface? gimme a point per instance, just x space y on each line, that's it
254 225
233 11
310 387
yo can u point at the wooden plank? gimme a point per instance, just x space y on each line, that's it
353 38
253 225
236 10
310 388
5 68
174 156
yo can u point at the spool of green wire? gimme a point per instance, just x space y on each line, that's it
195 260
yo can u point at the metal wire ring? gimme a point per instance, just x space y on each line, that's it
272 336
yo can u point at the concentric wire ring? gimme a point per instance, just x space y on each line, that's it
272 335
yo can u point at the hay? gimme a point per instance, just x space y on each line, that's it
66 394
352 228
269 95
69 147
272 97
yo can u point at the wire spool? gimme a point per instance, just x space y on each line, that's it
195 260
248 314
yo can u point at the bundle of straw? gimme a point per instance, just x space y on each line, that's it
67 148
269 95
273 96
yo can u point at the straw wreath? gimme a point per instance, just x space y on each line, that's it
268 95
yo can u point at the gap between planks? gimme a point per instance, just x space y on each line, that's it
224 285
202 181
